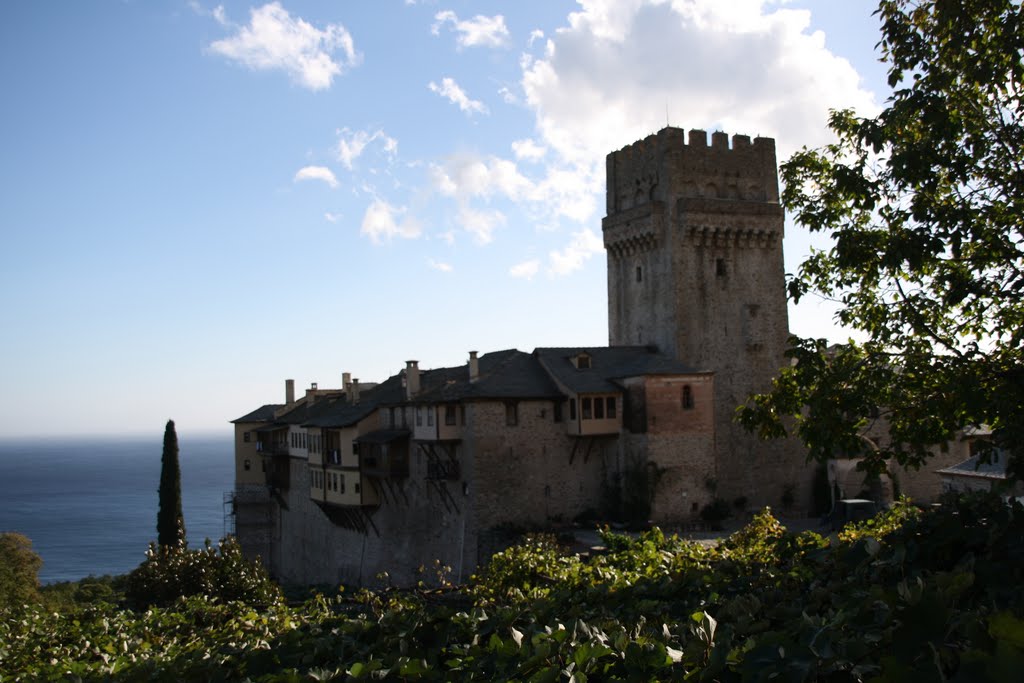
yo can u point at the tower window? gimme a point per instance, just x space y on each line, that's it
720 270
687 398
639 274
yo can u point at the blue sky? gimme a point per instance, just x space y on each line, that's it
201 200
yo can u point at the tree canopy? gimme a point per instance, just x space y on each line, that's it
924 203
170 521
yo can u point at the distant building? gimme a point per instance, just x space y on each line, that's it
444 464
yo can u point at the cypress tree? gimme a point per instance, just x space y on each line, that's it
170 522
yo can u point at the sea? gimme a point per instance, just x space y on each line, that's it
89 504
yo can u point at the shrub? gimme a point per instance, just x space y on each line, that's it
19 571
224 573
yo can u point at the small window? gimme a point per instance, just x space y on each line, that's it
246 437
639 274
430 416
572 409
449 415
587 412
419 416
598 408
511 413
687 398
583 362
355 487
247 465
720 269
355 448
391 413
610 407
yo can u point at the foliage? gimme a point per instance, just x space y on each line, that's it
223 573
19 570
170 522
921 596
923 203
92 590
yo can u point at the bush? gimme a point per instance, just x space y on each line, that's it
19 571
170 573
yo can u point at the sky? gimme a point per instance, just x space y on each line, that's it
201 200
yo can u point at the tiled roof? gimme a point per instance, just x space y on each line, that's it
608 363
261 414
340 412
508 374
974 467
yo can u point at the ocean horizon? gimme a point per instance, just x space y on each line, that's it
89 504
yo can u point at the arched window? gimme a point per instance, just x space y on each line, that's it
687 398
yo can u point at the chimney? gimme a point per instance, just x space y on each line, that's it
355 391
412 379
289 391
474 367
346 381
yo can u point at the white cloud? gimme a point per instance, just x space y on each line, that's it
480 31
465 176
439 265
525 270
747 66
275 40
332 217
480 223
352 143
381 223
535 35
507 96
584 244
528 150
450 89
316 173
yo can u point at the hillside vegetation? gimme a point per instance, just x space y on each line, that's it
909 596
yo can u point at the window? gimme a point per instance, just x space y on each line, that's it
355 487
419 416
449 415
430 416
598 408
342 489
639 274
687 398
391 417
587 413
572 409
583 362
248 464
610 407
720 267
511 413
246 437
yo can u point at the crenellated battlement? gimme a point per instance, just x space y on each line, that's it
696 140
675 163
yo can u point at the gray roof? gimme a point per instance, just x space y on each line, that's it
608 363
341 412
974 467
508 374
261 414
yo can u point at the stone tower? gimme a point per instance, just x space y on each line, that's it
694 240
